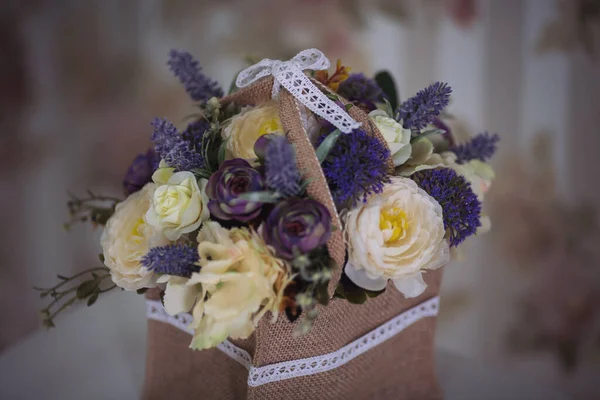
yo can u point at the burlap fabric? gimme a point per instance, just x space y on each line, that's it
400 368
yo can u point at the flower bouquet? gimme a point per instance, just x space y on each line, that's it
293 232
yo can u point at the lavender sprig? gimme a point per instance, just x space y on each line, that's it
173 148
480 147
281 170
420 110
186 68
173 259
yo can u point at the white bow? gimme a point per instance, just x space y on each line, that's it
289 75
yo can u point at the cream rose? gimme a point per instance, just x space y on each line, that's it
396 235
247 127
397 138
178 206
127 238
239 281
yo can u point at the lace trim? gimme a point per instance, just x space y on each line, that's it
307 366
290 75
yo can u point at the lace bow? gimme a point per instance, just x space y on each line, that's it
290 75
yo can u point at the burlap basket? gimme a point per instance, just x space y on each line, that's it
402 367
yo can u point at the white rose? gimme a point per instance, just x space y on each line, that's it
178 206
397 138
395 235
127 238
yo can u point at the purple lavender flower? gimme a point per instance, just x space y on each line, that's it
140 171
279 159
173 148
356 167
194 133
234 177
361 91
420 110
172 259
480 147
460 205
297 226
186 68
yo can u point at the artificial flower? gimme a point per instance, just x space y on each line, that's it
459 203
175 149
356 167
127 238
140 171
421 110
396 235
279 159
478 173
186 68
361 91
480 147
397 138
242 280
247 127
178 206
234 178
297 226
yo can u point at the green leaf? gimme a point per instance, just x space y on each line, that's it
222 148
389 110
374 293
348 106
426 133
386 83
93 298
332 96
87 288
327 144
261 197
142 290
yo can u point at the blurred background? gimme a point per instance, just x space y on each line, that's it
80 82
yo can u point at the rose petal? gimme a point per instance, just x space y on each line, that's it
360 278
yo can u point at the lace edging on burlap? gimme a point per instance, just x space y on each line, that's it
307 366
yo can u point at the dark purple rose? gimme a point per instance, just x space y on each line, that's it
361 91
140 171
297 226
234 177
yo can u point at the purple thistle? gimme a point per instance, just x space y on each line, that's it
186 68
460 205
173 148
421 109
140 171
279 159
173 259
361 91
356 167
480 147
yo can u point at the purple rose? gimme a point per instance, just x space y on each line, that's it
297 226
234 177
140 171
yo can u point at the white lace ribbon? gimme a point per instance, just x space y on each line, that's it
306 366
290 75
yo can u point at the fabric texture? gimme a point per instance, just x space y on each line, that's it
400 368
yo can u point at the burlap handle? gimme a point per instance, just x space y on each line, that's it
308 163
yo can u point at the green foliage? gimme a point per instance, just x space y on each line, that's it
327 144
347 290
386 82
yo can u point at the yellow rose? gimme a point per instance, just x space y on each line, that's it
397 138
395 235
241 279
178 206
127 238
245 129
